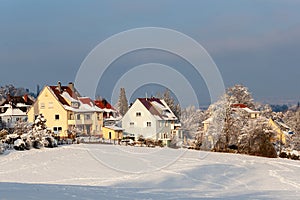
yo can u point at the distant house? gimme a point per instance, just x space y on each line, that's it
150 118
65 111
252 114
206 124
14 109
112 133
110 114
281 130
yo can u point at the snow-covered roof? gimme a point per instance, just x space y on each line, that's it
13 112
111 118
22 105
108 110
5 106
248 110
207 121
115 128
67 96
158 108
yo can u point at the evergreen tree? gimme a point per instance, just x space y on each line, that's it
122 102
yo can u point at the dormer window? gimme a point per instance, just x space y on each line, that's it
75 104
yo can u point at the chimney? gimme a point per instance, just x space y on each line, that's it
59 86
71 86
25 98
8 97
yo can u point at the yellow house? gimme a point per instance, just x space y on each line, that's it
65 111
112 133
279 129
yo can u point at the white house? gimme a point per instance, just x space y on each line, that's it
12 116
13 109
151 118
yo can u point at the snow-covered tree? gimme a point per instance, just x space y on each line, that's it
292 119
266 111
239 94
122 104
256 139
216 115
191 119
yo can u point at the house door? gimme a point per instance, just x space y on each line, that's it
109 135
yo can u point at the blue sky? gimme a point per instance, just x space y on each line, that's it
253 42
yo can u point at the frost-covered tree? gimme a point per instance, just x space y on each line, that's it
122 102
191 119
216 124
292 119
266 111
256 139
239 94
226 121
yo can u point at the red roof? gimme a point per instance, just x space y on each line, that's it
147 103
103 104
64 89
86 100
239 105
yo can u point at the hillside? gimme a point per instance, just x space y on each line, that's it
120 172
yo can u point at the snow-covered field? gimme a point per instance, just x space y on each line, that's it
93 171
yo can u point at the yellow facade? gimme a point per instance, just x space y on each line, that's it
112 134
56 115
280 136
65 111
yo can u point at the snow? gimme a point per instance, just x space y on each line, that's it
158 105
13 112
248 110
94 171
115 128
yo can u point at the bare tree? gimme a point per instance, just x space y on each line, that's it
175 107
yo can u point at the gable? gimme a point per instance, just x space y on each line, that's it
137 106
46 96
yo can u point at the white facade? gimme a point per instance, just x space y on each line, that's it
150 119
12 116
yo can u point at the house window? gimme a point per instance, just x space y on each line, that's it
148 124
78 116
166 124
138 114
42 105
161 124
57 129
50 105
71 117
75 104
87 117
56 117
131 124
